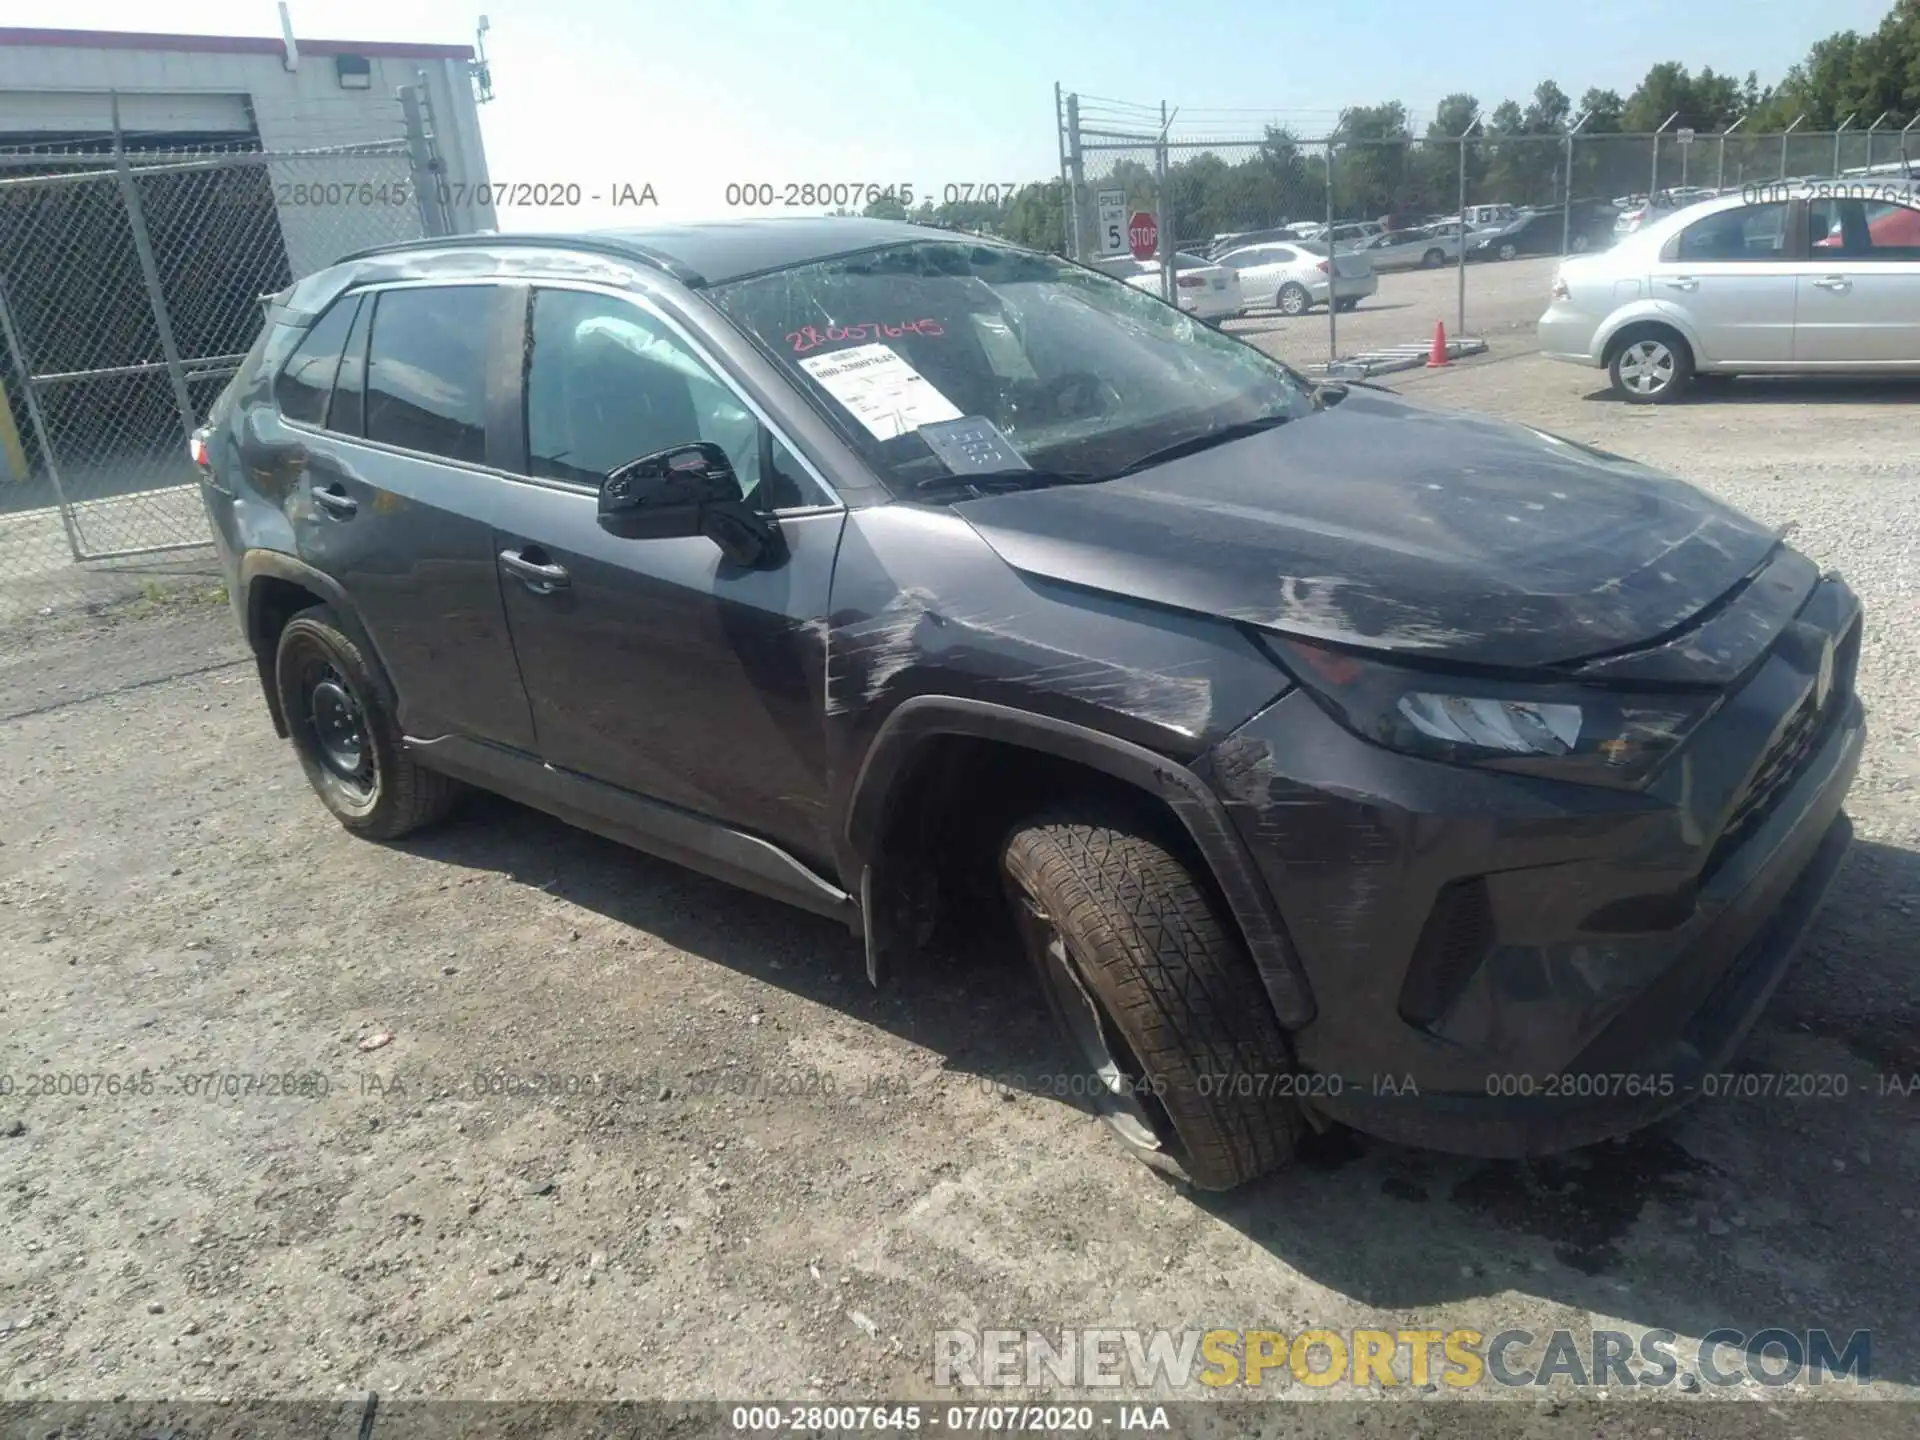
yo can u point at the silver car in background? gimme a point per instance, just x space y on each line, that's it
1422 249
1296 275
1777 279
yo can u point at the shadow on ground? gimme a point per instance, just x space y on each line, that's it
1669 1228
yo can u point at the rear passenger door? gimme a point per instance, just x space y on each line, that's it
384 412
657 665
1858 296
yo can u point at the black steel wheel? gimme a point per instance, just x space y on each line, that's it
345 736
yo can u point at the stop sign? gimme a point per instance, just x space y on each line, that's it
1143 233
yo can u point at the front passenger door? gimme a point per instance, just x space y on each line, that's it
656 665
1732 278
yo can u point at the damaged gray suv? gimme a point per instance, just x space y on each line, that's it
1339 760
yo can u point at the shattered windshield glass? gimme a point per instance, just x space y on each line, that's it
1082 375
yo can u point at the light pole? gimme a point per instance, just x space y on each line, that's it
1720 176
1566 215
1870 129
1836 146
1653 184
1783 142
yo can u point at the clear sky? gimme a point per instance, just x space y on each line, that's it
690 95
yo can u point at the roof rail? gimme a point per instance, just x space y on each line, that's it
600 244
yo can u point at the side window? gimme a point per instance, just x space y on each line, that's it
1826 227
1750 232
607 382
426 370
1892 231
303 387
347 413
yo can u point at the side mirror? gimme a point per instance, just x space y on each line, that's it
687 490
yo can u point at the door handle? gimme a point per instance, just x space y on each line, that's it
1834 282
336 502
541 578
1681 282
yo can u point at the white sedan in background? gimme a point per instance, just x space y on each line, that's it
1206 291
1295 277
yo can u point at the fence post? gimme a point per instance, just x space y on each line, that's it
1783 142
426 168
1069 205
1460 266
150 272
1653 181
1836 145
1169 268
24 369
1566 214
1077 162
1720 176
1333 261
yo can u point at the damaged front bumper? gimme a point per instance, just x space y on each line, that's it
1504 965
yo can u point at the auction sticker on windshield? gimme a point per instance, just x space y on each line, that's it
884 392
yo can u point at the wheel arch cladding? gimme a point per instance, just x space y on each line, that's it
888 772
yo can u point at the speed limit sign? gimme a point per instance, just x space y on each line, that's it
1113 222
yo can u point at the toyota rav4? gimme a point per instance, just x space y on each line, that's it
1338 759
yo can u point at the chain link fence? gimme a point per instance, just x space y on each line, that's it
130 288
1555 194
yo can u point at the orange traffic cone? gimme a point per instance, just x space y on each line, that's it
1438 355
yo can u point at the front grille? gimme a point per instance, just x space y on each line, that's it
1788 754
1455 940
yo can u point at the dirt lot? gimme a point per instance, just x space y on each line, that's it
173 901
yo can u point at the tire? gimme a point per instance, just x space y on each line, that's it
335 715
1184 1054
1346 305
1653 366
1433 259
1508 251
1293 299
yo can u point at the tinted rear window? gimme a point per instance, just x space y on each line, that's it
347 414
427 370
303 387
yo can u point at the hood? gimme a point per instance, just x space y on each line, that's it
1383 524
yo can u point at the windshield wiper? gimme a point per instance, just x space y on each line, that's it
989 481
1194 444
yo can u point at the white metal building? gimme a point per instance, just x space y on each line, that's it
58 86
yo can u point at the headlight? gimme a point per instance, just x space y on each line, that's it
1550 727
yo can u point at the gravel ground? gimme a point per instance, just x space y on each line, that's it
883 1165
